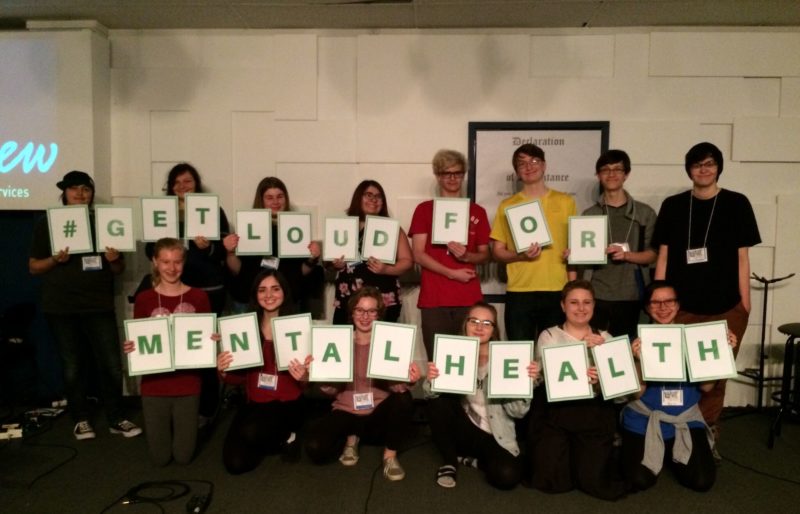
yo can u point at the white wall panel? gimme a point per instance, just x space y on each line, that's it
156 49
656 142
242 90
725 54
572 56
761 182
761 97
631 55
295 76
315 141
253 154
337 78
236 50
766 139
156 89
171 134
403 140
790 96
130 152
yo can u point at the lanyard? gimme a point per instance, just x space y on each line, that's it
630 226
705 239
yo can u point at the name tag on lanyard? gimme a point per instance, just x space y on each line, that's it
696 255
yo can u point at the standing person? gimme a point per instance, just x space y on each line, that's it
535 275
169 400
703 237
268 423
303 275
376 411
204 268
78 303
619 285
449 282
664 424
474 425
571 441
369 199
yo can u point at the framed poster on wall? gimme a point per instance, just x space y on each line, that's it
571 149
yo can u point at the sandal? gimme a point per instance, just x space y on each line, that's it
446 476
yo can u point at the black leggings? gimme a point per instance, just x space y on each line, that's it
259 429
698 474
454 434
388 424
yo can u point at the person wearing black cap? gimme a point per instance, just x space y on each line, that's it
703 237
78 302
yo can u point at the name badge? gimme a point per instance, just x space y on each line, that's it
267 381
696 255
92 263
270 262
672 397
624 246
362 401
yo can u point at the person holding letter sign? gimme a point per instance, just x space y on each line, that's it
78 303
571 441
377 411
473 425
619 284
369 199
703 237
268 423
535 274
304 276
170 401
449 283
665 425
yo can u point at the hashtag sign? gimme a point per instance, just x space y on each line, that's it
69 228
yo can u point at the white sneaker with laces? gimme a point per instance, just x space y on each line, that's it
125 428
83 430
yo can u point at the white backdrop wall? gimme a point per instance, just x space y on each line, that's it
323 110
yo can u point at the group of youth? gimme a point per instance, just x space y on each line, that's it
699 243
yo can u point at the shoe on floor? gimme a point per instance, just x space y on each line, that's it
392 470
446 476
349 456
83 430
125 428
468 462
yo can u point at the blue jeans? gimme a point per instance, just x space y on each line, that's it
82 338
528 314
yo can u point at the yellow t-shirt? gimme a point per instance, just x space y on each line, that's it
549 271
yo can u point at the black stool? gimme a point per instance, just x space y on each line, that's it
789 395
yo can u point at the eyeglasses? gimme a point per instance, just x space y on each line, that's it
672 302
709 165
373 197
612 171
372 313
523 163
451 174
477 322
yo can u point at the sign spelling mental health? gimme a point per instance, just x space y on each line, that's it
292 338
332 353
241 336
456 357
508 374
565 367
615 368
390 351
152 339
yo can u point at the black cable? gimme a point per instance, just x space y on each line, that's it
74 453
759 472
380 467
175 489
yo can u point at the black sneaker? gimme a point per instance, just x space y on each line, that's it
125 428
83 430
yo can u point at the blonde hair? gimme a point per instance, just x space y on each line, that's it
165 243
446 158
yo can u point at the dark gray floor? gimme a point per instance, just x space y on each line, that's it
99 471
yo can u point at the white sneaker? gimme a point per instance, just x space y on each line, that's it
125 428
392 470
349 456
83 430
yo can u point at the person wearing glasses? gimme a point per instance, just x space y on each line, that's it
535 274
703 238
369 199
480 430
619 284
449 282
372 410
571 442
680 438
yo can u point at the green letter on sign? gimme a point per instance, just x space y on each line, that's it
116 228
192 337
250 234
380 238
511 368
295 235
712 349
587 239
241 342
331 352
203 212
387 355
528 224
146 347
614 372
661 349
293 337
449 218
336 238
159 218
566 370
448 364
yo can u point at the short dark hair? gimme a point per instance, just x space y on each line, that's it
576 284
287 307
270 183
356 209
702 151
655 285
178 170
613 157
366 292
529 149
